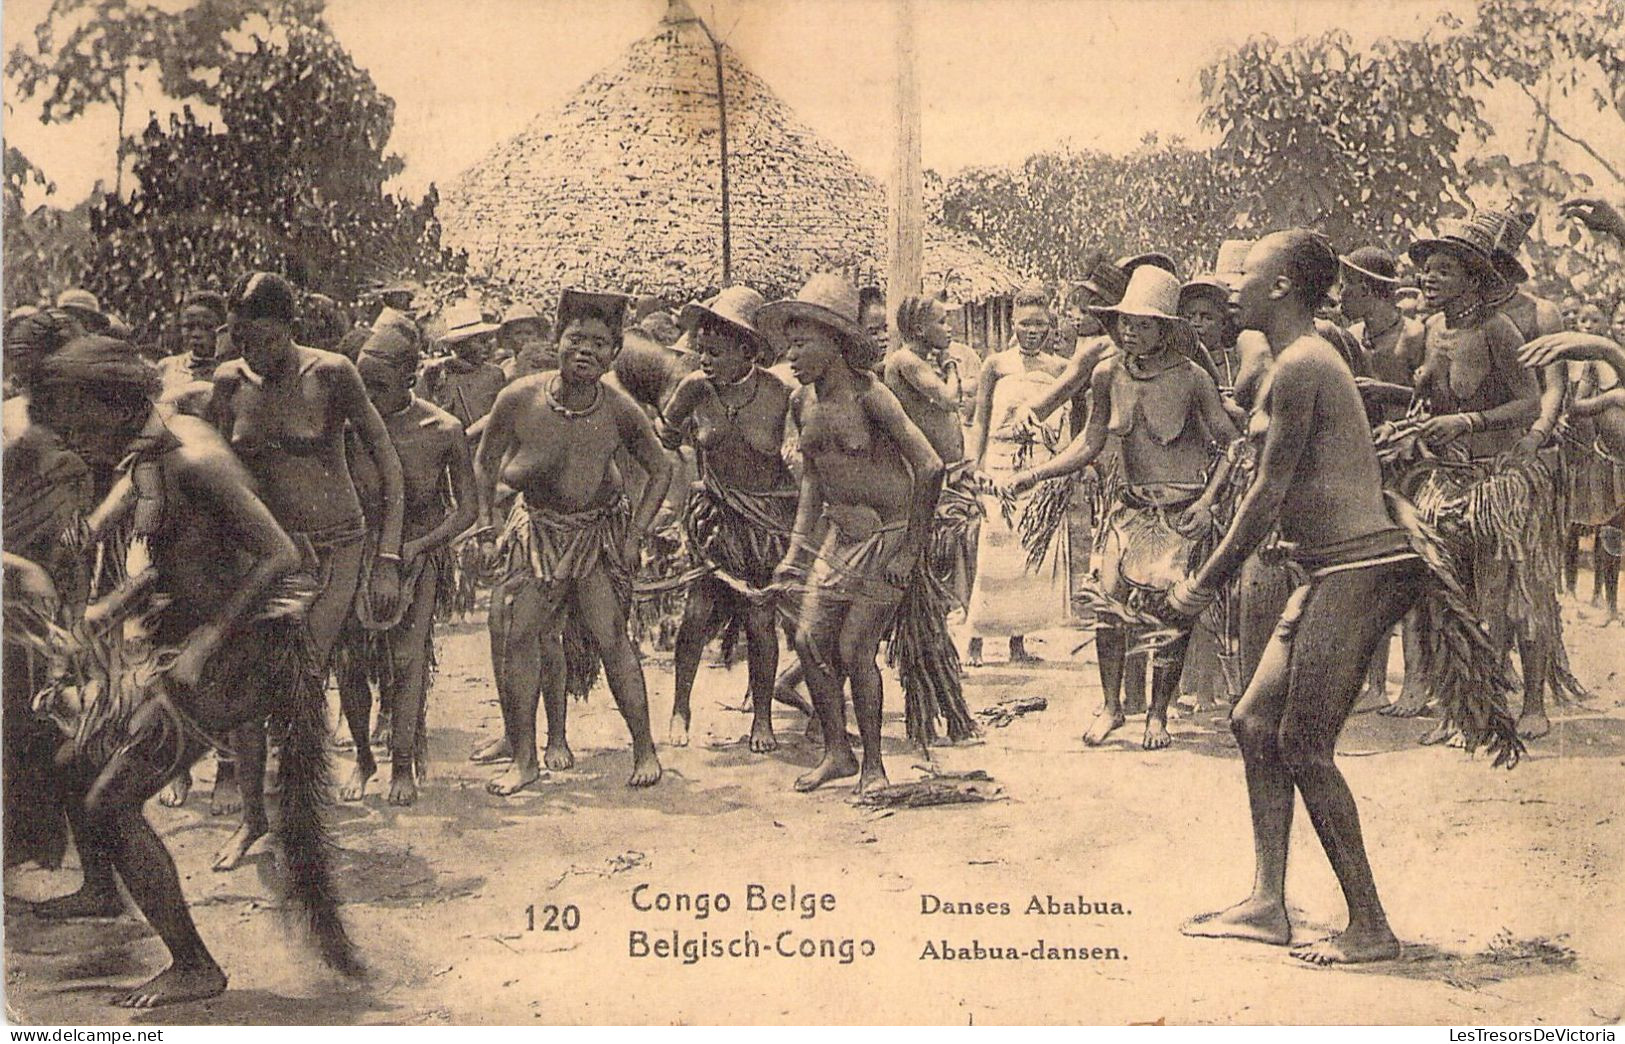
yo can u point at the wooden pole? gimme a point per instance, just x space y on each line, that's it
906 198
722 119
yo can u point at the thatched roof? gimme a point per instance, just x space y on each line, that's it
621 188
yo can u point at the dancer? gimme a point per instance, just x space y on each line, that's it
1482 404
740 512
284 408
1167 414
928 385
226 618
188 377
1320 483
868 491
439 504
571 539
1008 598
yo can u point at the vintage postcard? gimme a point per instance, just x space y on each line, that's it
541 512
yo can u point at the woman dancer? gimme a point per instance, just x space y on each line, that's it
1007 597
1166 412
218 604
1499 507
1320 483
739 514
283 408
868 492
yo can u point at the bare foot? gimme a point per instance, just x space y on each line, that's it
1105 723
236 848
1024 657
403 789
1354 946
517 778
762 740
833 766
86 902
355 787
1156 736
677 733
645 771
873 779
1249 919
176 790
227 798
973 653
498 749
176 985
559 757
1410 704
1533 725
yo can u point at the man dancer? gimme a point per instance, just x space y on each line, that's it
553 437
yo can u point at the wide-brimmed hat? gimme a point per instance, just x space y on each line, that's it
1150 257
521 313
1226 274
83 306
464 320
1472 242
736 306
828 300
1152 292
1373 263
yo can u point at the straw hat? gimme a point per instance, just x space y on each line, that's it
1509 239
737 306
828 300
521 313
1152 292
1226 274
1150 257
1373 263
83 306
1472 242
464 320
1106 280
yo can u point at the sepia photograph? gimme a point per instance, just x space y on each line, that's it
813 512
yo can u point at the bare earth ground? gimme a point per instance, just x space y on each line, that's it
1506 887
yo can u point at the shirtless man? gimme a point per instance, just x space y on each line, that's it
218 559
435 461
1319 481
553 438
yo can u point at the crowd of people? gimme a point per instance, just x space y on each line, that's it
1244 482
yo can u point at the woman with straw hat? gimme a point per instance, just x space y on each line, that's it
1167 414
868 492
740 512
1498 506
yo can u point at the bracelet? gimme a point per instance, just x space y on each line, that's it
387 556
1475 421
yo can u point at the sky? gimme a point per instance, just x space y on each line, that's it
998 79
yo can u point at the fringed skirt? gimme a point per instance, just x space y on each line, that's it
954 530
1501 524
548 548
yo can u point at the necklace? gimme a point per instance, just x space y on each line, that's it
559 407
1139 370
1372 335
410 399
733 410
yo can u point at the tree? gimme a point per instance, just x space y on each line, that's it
292 181
87 52
44 248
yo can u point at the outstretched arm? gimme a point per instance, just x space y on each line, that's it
1081 451
1571 346
1073 379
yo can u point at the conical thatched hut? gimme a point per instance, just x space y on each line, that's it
622 188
